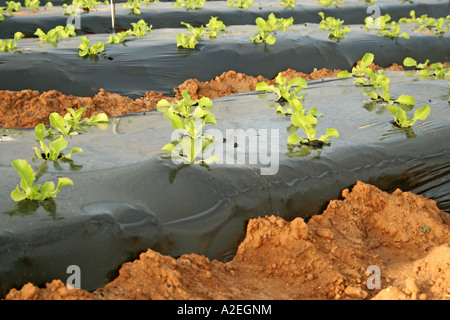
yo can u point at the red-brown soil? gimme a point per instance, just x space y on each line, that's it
403 234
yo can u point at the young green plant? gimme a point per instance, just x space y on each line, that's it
11 44
215 27
189 4
26 189
190 41
86 49
240 4
266 28
134 6
335 26
55 34
435 70
308 122
402 120
360 70
53 151
288 4
189 117
283 91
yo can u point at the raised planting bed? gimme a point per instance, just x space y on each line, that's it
155 62
125 198
164 15
122 195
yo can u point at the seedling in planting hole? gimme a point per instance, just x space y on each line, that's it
359 70
72 121
283 91
31 192
189 117
296 106
240 4
86 49
402 120
190 41
385 29
2 16
140 28
118 37
9 45
307 123
215 27
335 26
134 5
288 4
55 34
53 150
189 4
272 25
13 6
32 4
437 69
328 3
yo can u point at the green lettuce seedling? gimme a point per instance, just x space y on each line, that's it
413 18
9 45
327 3
360 70
73 122
2 16
26 190
53 150
269 26
189 117
189 4
13 6
402 120
195 32
55 34
32 4
296 106
190 41
307 123
240 4
335 26
134 6
215 27
118 37
436 70
140 28
288 4
86 49
283 91
385 29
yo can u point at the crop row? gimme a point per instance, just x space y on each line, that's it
135 5
189 117
266 32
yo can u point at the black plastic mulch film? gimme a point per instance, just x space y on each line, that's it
126 198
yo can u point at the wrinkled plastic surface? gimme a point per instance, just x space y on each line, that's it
164 15
126 198
155 63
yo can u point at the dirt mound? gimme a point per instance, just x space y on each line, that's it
370 245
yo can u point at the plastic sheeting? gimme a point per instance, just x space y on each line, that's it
164 15
155 63
126 198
